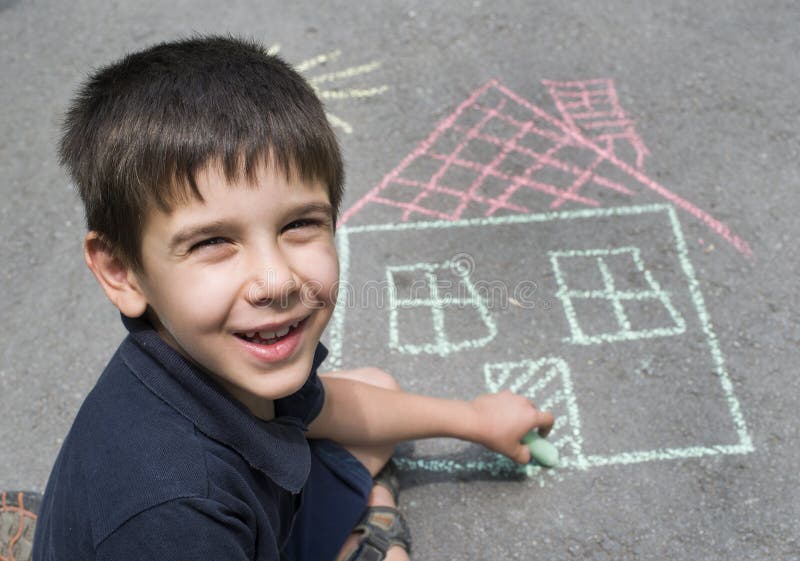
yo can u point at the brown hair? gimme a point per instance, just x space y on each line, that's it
140 129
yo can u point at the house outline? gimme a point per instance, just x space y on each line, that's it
579 460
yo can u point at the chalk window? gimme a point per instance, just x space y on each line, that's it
608 295
436 309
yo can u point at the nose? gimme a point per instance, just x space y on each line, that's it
275 284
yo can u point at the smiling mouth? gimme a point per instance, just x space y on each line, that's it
271 337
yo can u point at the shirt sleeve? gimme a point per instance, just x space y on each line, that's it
187 528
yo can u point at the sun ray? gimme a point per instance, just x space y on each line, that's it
338 122
334 76
352 93
317 60
346 73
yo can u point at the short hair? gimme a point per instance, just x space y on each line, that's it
139 130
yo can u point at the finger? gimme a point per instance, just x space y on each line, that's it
545 422
522 455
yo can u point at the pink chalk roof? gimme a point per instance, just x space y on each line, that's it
497 153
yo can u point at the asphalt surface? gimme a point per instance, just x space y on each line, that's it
677 405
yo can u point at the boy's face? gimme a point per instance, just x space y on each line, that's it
227 277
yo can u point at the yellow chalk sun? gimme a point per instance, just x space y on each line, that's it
320 82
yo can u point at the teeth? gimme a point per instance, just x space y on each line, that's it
269 335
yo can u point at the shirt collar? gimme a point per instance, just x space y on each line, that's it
278 447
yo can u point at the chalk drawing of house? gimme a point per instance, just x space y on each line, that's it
583 311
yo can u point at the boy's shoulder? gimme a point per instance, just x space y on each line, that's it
154 432
128 451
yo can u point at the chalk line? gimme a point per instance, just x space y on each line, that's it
317 60
511 219
336 340
610 293
560 129
338 122
346 73
421 149
716 226
587 96
442 344
500 465
352 93
559 370
705 321
328 77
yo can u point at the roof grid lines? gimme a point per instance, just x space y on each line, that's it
540 125
597 159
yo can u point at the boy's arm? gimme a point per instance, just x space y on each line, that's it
356 413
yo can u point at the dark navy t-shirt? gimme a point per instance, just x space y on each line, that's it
161 463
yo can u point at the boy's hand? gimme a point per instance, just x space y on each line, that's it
504 418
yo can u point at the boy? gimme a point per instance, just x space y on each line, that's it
211 182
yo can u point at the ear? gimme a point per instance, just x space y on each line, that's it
118 281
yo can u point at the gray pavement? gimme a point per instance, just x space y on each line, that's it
650 277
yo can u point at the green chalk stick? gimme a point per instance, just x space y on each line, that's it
542 451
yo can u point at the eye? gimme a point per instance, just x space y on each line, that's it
302 223
209 242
